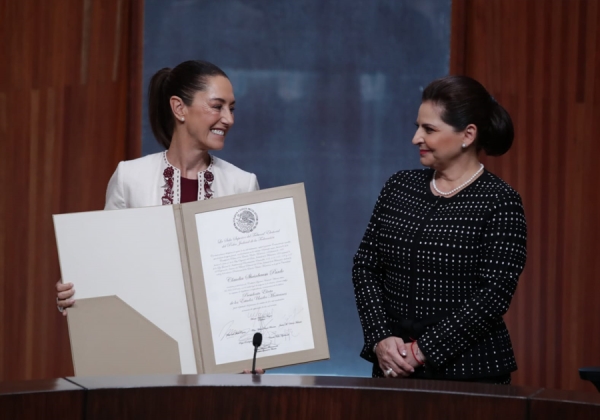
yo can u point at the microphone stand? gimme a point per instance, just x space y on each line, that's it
254 361
256 342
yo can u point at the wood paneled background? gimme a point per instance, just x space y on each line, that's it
70 80
70 104
541 60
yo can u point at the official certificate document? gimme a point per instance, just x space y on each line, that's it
253 270
184 288
254 280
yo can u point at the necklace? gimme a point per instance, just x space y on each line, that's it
461 186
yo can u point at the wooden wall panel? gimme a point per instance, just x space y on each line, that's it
541 60
70 106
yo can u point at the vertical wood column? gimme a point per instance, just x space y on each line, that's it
70 106
541 60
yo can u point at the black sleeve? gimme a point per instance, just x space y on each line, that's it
367 277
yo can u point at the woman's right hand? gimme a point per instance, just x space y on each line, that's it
64 293
391 354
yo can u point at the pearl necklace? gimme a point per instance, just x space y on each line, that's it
461 186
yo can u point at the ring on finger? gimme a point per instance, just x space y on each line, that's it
60 308
388 371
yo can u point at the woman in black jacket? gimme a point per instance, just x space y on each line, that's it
440 259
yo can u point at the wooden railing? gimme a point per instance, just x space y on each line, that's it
284 397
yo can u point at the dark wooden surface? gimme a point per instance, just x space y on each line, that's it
43 399
298 397
571 405
541 60
285 397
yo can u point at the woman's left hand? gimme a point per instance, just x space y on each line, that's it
391 355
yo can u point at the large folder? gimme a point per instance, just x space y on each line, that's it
155 285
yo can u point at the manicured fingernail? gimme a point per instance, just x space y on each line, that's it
403 352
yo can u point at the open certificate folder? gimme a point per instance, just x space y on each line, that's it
183 288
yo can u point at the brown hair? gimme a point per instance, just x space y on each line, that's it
183 81
465 101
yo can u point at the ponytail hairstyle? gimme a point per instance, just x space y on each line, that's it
465 101
183 81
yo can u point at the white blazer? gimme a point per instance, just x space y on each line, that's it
145 182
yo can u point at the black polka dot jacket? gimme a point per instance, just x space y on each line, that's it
442 271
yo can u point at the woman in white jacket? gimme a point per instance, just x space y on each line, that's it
191 111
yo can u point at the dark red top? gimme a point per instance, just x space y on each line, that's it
189 190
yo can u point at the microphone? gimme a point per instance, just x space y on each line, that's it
256 342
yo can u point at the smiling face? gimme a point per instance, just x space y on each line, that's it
439 143
210 116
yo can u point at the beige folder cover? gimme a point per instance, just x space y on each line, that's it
132 254
118 341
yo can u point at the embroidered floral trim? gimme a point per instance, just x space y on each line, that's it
167 198
208 180
171 187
